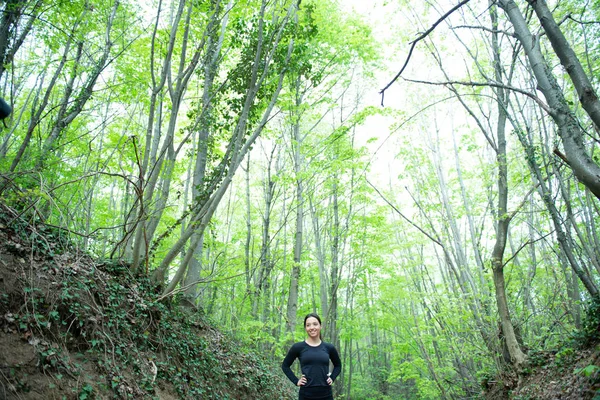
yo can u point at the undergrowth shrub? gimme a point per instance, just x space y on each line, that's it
590 331
72 307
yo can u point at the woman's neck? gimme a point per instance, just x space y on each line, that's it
313 341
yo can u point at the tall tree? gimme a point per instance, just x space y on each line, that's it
569 128
203 124
260 72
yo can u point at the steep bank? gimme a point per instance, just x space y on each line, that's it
78 328
571 371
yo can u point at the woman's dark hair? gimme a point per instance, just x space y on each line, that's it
5 109
312 315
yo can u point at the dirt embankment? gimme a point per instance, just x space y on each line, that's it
77 328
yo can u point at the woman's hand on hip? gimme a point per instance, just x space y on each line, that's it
329 381
302 381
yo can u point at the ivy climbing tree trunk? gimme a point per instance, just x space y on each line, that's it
159 176
563 238
261 75
212 59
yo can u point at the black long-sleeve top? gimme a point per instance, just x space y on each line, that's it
314 363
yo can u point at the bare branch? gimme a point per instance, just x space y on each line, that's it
414 43
583 22
405 217
527 243
483 28
183 288
532 96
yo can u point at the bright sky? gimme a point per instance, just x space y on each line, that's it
383 151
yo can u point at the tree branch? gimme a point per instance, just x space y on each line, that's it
539 101
527 243
582 22
485 29
403 216
414 43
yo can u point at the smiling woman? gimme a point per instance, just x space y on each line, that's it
314 355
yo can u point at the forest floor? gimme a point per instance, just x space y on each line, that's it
566 374
75 328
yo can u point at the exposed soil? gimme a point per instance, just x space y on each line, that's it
564 377
59 341
570 373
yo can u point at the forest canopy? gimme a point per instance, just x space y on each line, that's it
424 175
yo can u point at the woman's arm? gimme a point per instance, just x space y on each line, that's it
287 363
337 363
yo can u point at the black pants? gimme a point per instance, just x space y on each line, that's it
315 393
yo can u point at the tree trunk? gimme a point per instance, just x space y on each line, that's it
332 314
320 254
569 129
263 287
297 139
517 356
211 63
165 162
563 239
71 108
238 147
248 271
587 95
13 13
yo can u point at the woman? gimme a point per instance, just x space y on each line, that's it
314 355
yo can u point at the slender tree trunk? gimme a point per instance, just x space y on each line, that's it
149 175
266 263
563 239
71 108
240 142
460 259
425 354
517 356
332 314
320 254
472 229
248 271
532 265
37 111
587 252
292 304
238 148
13 14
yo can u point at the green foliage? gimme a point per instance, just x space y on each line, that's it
590 332
399 294
87 392
588 371
563 356
537 358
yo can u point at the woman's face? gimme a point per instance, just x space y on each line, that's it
313 327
